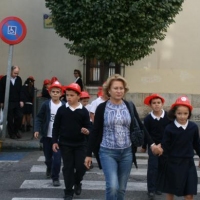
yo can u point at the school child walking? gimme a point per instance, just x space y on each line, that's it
155 123
45 88
71 126
43 126
84 99
177 172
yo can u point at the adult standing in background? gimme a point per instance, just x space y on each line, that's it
15 102
28 96
78 77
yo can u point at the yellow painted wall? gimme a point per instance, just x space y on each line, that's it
174 67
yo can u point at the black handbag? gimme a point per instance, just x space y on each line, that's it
136 133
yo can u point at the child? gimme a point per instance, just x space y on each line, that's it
177 171
71 126
43 125
46 85
53 79
84 99
28 94
155 123
101 98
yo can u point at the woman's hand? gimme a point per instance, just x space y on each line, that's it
88 162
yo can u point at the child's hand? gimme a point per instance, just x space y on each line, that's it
55 147
199 164
85 131
36 135
88 162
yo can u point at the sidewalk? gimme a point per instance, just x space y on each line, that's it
26 142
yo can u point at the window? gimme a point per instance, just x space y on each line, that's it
98 71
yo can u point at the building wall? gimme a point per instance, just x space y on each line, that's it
174 67
42 53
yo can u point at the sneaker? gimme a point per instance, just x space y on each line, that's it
48 173
151 195
56 183
158 193
78 188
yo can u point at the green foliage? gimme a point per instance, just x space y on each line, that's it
121 31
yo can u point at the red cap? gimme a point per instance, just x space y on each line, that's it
100 93
84 94
46 81
74 86
182 101
56 84
31 77
53 79
148 99
1 76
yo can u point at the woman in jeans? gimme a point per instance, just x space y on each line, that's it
110 138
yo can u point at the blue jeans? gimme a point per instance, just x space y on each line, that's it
152 171
52 159
116 165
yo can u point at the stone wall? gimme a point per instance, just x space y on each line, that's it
143 110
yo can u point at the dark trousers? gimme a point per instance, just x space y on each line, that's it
52 159
14 117
73 166
152 171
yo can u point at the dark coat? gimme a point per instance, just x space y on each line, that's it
80 83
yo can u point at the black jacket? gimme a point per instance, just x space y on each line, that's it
80 83
15 94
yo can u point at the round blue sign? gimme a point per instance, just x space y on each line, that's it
12 30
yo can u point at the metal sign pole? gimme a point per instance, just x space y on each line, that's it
6 100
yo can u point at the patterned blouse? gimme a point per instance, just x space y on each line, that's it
116 130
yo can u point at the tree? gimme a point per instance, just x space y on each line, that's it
120 31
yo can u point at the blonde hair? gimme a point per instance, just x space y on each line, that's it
109 81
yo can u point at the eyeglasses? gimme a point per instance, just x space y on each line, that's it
75 73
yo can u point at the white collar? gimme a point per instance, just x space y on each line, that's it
180 125
76 79
156 117
80 106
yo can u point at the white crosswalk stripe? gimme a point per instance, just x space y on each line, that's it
86 185
44 199
95 184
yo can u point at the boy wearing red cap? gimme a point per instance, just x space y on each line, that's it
155 123
71 126
100 99
177 173
43 125
84 99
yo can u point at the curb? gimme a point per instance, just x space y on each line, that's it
20 144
